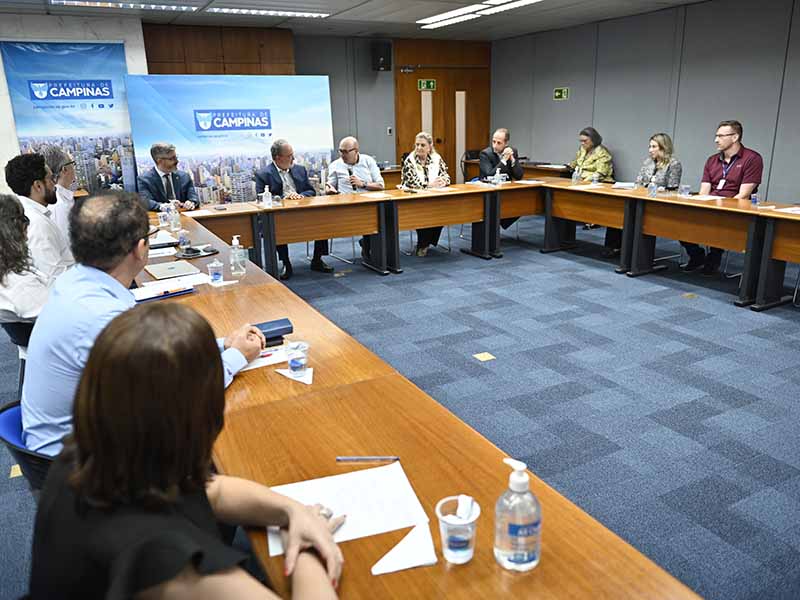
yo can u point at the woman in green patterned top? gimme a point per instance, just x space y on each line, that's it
593 157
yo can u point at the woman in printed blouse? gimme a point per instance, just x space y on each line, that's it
661 167
425 168
593 157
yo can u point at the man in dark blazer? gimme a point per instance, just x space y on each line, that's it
164 183
501 155
285 179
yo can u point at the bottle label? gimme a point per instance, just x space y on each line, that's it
524 529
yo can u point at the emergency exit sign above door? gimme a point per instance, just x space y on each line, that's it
426 85
561 93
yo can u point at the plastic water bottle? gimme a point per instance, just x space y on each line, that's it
595 178
174 218
238 258
652 190
754 199
518 523
576 176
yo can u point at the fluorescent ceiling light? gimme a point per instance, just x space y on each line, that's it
517 4
269 13
460 19
125 5
452 13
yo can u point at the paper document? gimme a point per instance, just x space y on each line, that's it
414 550
270 356
375 501
792 210
376 195
199 213
624 185
186 280
307 378
529 181
162 252
586 186
160 288
549 166
704 197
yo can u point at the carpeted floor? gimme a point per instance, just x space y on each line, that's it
653 403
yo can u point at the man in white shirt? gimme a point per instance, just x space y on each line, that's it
352 173
63 167
32 181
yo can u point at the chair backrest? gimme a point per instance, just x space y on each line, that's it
20 333
34 465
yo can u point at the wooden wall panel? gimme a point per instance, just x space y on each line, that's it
173 49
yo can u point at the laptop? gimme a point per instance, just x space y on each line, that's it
166 270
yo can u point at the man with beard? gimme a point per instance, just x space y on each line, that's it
32 181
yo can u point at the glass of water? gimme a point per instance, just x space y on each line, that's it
684 190
458 535
297 353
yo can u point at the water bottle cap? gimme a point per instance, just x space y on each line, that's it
518 480
235 241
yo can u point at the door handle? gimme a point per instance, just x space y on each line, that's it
438 140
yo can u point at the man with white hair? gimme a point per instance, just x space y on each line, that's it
62 166
164 183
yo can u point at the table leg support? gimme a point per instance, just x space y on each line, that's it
482 232
748 288
769 293
643 247
270 251
628 226
392 237
559 234
257 251
494 225
376 261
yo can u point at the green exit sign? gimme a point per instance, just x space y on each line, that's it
428 85
561 93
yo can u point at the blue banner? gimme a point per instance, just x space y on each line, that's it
73 96
223 125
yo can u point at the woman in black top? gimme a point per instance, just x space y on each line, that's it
130 508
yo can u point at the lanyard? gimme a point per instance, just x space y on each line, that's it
730 165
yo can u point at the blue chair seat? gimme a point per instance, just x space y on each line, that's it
34 465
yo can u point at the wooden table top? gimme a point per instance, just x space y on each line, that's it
298 439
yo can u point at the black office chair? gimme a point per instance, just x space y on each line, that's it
20 334
34 466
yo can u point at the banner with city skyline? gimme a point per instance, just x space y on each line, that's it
223 125
73 95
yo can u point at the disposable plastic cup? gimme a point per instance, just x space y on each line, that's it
458 535
684 190
163 219
215 271
297 353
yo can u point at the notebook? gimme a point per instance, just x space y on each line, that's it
171 269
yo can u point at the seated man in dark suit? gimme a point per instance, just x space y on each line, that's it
164 183
285 179
501 156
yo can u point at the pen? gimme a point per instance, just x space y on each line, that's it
366 458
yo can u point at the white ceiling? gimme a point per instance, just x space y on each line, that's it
372 18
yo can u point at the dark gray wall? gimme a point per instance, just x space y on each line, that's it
680 70
362 100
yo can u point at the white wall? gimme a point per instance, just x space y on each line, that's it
43 28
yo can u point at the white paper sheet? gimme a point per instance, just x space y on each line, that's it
704 197
529 181
550 166
377 195
792 210
161 252
270 356
624 185
157 289
414 550
375 501
186 280
586 186
199 213
307 378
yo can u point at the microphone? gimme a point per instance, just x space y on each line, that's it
350 170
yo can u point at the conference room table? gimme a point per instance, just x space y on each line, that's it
766 237
279 431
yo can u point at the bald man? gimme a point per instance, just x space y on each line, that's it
352 173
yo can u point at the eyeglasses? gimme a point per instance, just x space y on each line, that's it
724 135
65 165
346 151
172 158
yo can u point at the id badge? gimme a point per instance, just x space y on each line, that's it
721 184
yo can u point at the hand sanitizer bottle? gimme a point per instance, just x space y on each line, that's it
518 523
238 258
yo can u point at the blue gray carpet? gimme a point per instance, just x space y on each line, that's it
653 403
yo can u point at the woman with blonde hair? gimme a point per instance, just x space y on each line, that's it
425 168
661 167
